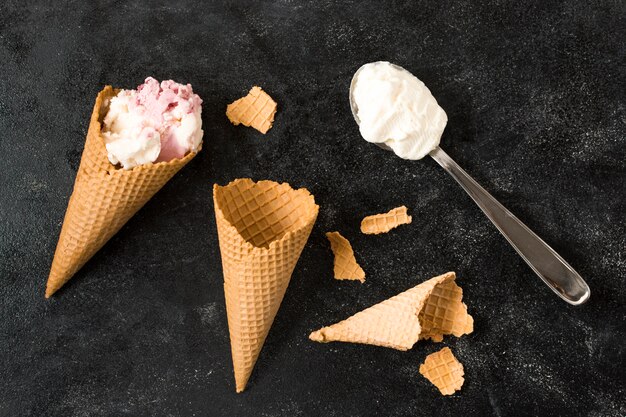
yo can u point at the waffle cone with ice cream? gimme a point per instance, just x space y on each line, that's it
105 197
262 228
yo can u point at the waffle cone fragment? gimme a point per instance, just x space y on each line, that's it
382 223
103 200
444 313
256 110
345 264
262 229
444 371
398 322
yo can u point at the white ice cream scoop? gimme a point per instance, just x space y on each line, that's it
397 112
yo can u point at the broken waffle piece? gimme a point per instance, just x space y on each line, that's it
346 266
398 322
382 223
444 371
256 110
444 313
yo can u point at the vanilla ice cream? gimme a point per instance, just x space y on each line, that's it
154 123
397 109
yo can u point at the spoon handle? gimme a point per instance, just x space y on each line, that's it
546 263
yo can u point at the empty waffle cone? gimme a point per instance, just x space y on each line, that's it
444 371
262 229
256 110
345 264
103 200
398 322
382 223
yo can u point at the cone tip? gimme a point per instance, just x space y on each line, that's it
317 336
240 386
49 291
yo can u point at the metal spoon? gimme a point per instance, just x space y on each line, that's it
546 263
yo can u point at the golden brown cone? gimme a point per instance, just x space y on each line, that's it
345 264
382 223
103 200
262 229
396 323
444 371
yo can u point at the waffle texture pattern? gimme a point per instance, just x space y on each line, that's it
383 223
262 227
444 371
398 323
256 110
345 264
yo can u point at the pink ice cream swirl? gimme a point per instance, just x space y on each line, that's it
157 122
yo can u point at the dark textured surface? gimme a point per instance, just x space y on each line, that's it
534 92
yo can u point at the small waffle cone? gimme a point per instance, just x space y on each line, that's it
256 110
444 371
345 265
396 322
103 200
382 223
262 229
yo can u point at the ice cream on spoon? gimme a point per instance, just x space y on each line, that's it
396 111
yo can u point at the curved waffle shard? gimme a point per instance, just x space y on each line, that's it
345 265
398 322
262 229
444 371
103 200
383 223
256 110
444 313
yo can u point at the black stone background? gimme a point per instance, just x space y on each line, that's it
534 91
